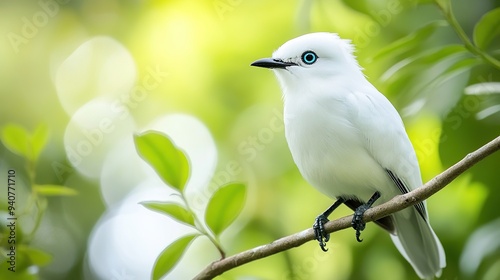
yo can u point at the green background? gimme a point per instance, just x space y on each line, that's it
203 50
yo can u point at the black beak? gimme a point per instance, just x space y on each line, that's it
272 63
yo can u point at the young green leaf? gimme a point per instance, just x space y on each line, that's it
487 28
16 139
169 162
171 209
169 257
39 140
224 206
54 190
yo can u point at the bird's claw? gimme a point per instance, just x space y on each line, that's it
319 231
357 222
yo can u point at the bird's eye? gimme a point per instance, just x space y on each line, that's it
309 57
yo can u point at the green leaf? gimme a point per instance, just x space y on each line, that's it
16 139
429 57
169 257
412 75
54 190
39 140
171 209
362 6
370 7
224 206
487 28
454 70
408 42
37 257
169 162
432 78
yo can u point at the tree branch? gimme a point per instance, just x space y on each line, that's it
396 204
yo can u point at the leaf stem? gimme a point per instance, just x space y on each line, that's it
39 202
201 228
41 205
450 17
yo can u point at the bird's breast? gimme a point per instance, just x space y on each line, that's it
329 150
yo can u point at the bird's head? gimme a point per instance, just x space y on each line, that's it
312 58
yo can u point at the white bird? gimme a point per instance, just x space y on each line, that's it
350 143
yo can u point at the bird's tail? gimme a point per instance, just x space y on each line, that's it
418 243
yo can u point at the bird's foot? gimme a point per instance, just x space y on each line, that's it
357 222
319 231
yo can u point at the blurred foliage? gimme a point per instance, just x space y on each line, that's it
437 61
19 257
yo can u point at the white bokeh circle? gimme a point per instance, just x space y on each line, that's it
99 67
128 238
123 170
93 131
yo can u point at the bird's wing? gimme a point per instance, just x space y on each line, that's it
385 139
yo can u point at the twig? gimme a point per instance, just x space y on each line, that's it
450 17
396 204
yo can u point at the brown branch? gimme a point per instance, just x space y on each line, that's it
396 204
